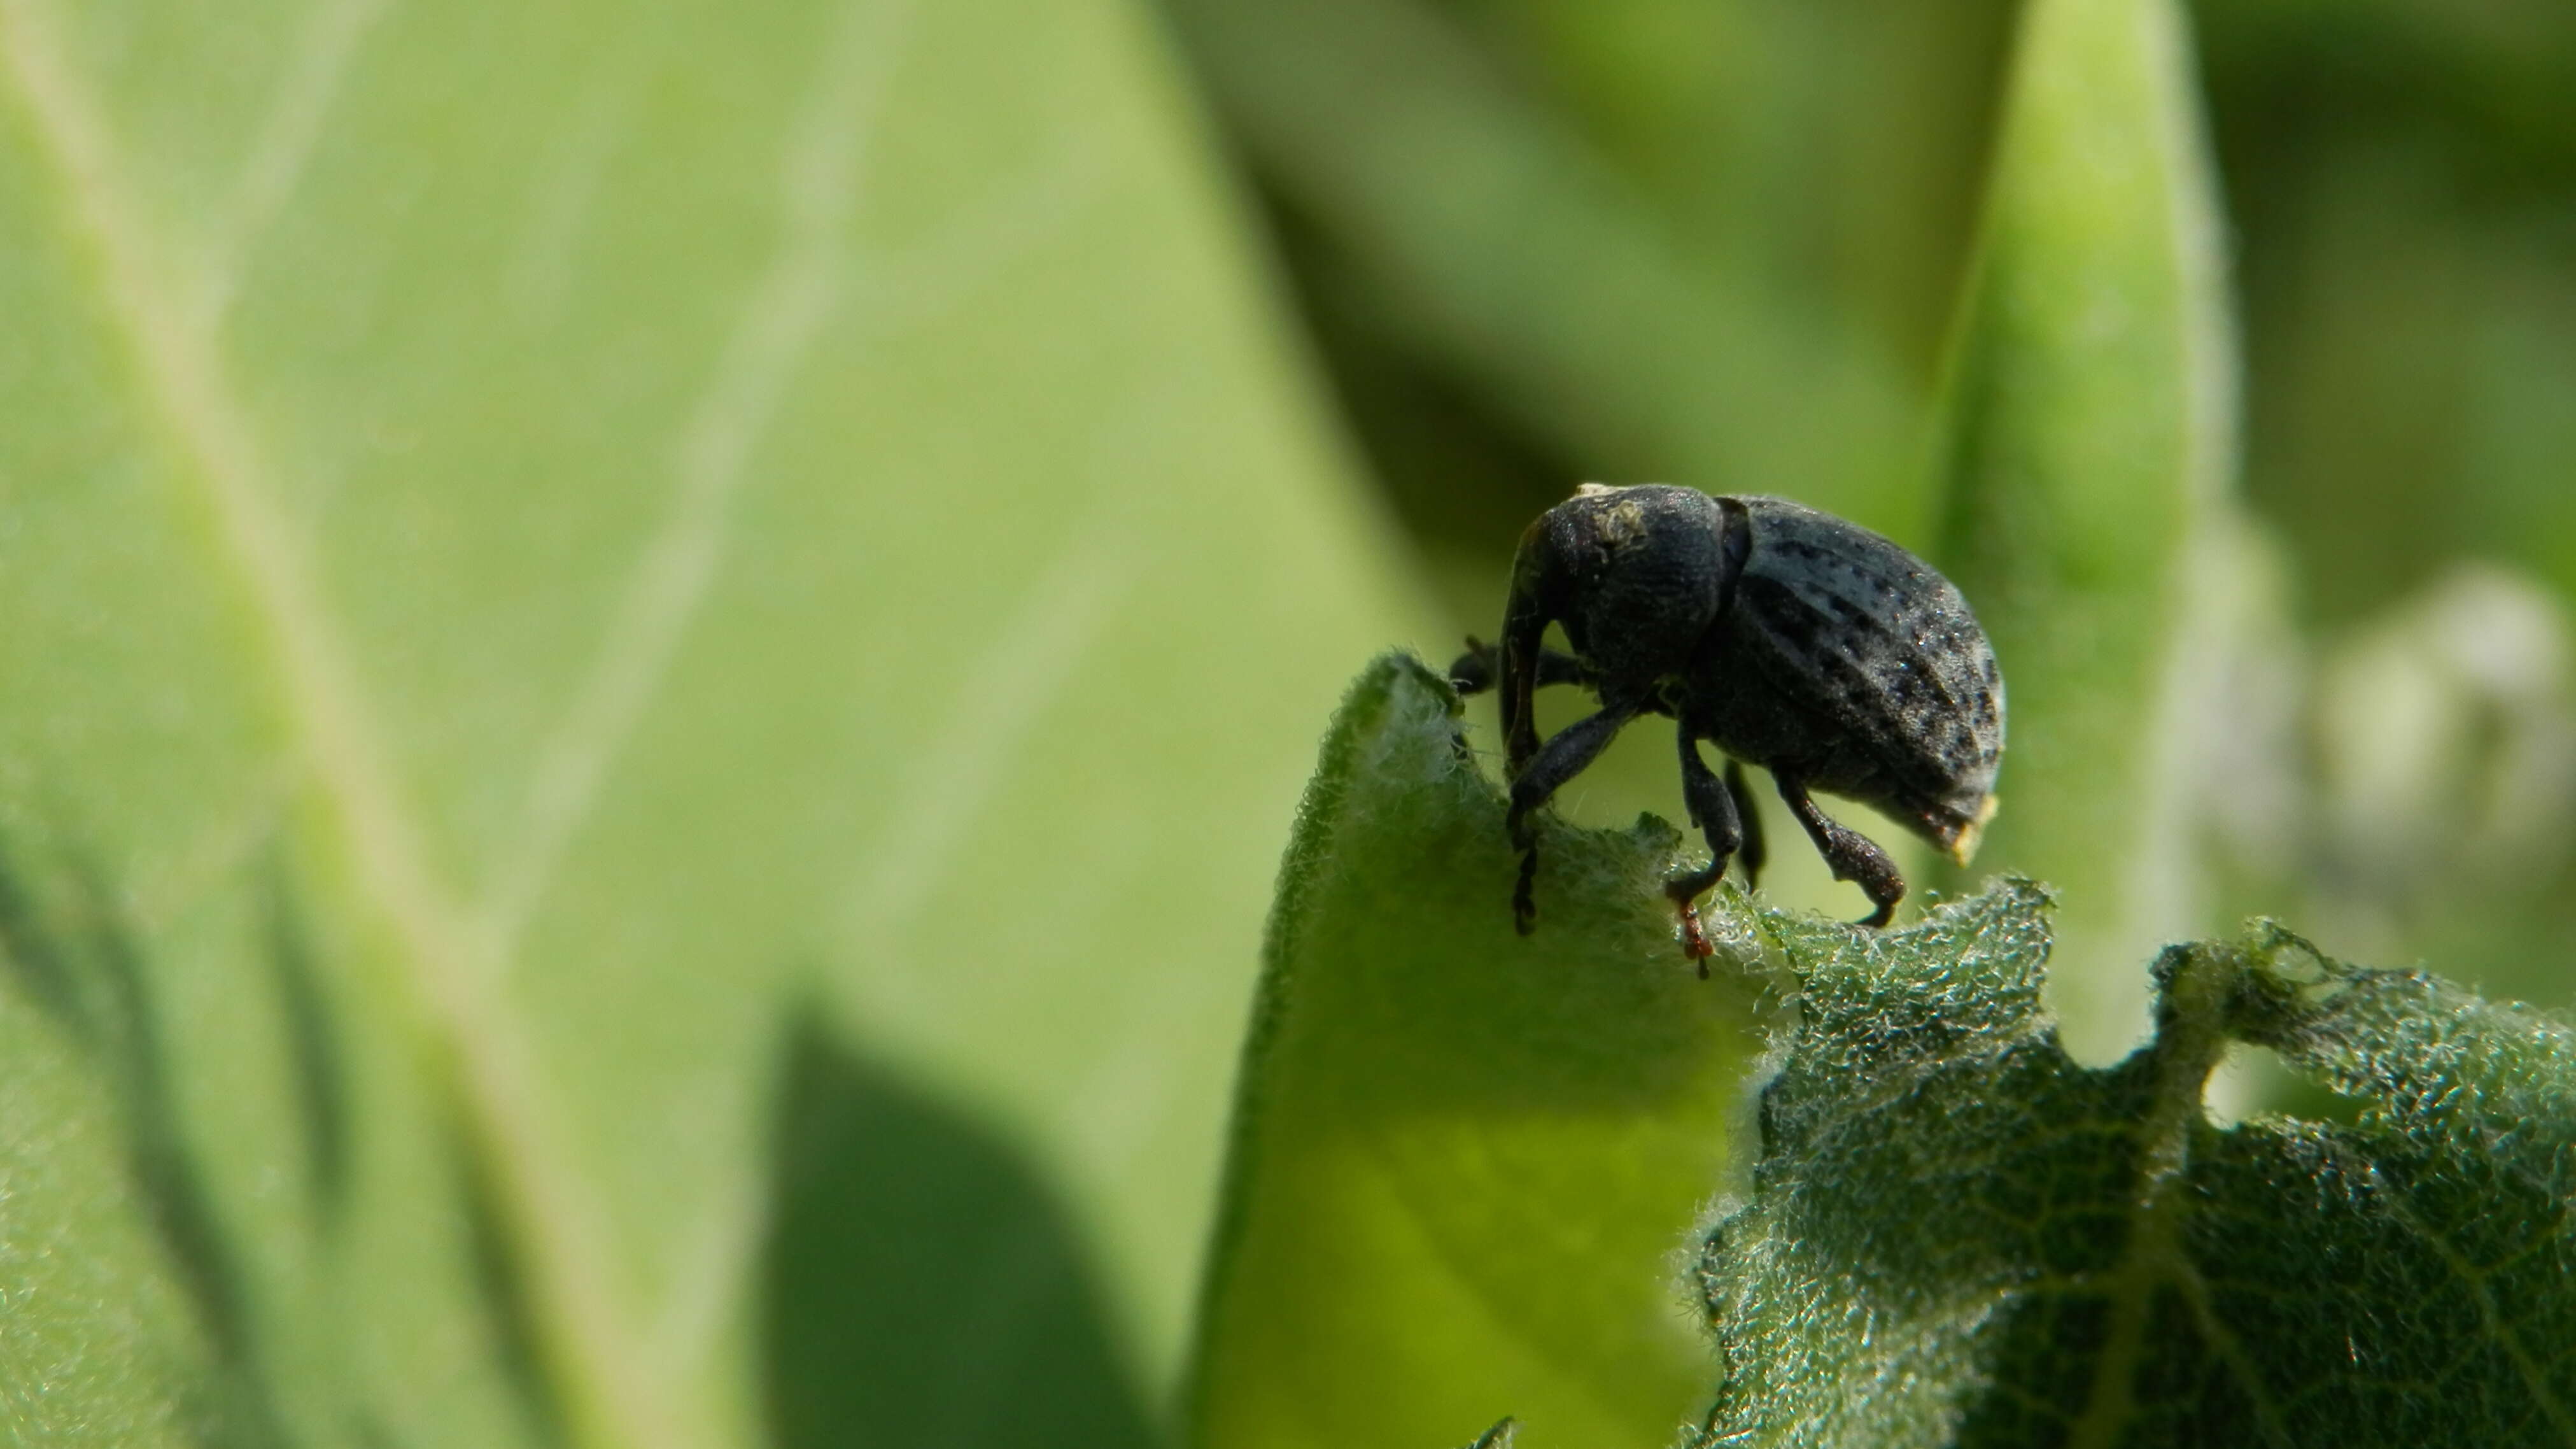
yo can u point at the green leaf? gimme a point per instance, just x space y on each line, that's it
1465 1160
2087 445
95 1183
1959 1236
610 612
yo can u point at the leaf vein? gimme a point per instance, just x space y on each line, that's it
819 180
283 151
185 382
2508 1341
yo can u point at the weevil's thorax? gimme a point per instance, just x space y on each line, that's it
1636 575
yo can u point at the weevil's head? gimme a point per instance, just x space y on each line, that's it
1635 575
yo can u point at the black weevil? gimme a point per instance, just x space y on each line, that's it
1783 636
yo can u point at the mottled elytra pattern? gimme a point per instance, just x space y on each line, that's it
1957 1236
1865 632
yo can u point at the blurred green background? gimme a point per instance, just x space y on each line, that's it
1794 188
656 658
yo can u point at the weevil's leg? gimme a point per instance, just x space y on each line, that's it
1712 809
1559 760
1749 815
1475 670
1853 856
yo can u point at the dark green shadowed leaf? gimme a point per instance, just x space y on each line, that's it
1958 1236
1465 1161
908 1251
174 1361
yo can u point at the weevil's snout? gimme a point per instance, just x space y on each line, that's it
1960 842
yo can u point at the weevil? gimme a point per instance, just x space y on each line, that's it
1783 636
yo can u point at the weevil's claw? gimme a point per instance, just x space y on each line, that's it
1525 894
1695 942
1877 920
1684 893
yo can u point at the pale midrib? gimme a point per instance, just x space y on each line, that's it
2188 1048
2131 1288
178 362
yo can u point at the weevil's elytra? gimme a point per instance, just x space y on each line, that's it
1783 636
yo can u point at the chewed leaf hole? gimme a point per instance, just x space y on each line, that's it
2253 1081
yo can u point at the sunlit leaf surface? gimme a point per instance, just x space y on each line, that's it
1466 1161
653 660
